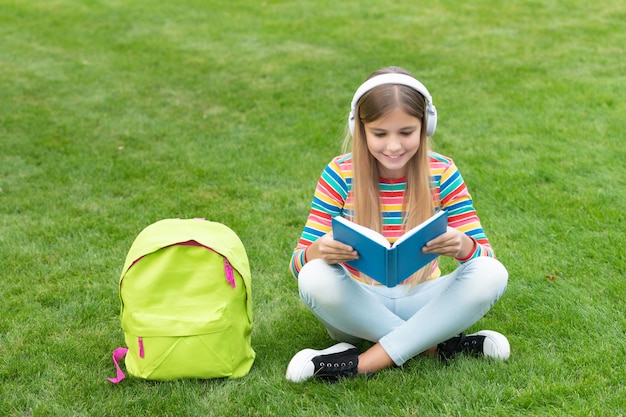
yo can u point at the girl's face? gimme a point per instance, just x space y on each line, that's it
393 140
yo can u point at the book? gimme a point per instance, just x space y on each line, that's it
386 263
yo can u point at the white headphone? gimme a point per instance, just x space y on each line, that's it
395 78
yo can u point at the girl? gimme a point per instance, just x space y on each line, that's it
390 182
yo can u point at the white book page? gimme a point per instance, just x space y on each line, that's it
371 234
417 228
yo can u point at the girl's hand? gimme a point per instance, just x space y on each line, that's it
331 250
452 243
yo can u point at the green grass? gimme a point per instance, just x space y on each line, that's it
115 114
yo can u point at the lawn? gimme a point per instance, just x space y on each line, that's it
115 114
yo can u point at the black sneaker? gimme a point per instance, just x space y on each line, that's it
485 343
330 365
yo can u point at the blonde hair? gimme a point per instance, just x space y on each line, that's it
418 202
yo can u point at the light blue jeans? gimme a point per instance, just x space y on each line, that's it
405 320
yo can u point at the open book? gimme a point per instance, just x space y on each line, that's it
383 262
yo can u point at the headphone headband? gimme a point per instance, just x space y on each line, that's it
401 79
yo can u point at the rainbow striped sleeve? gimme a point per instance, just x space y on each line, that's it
455 198
328 201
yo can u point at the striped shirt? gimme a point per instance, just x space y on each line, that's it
333 198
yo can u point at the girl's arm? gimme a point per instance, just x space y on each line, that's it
328 201
457 201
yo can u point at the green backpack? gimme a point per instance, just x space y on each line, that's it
186 304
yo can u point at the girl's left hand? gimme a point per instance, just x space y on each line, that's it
452 243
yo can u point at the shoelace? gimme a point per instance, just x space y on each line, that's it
332 368
336 365
458 344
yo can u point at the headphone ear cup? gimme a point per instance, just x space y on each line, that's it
351 122
431 119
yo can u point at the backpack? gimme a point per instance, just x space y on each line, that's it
186 303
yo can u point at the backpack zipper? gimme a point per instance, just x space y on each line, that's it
140 341
228 271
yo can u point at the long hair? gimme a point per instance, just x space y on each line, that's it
418 202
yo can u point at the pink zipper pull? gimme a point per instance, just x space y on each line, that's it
230 275
140 341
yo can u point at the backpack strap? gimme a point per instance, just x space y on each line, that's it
118 354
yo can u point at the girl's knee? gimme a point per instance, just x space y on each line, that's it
490 276
320 281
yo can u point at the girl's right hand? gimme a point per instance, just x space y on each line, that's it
331 250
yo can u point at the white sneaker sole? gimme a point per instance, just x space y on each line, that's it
301 367
496 345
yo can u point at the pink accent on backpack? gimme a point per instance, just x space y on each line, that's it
118 354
